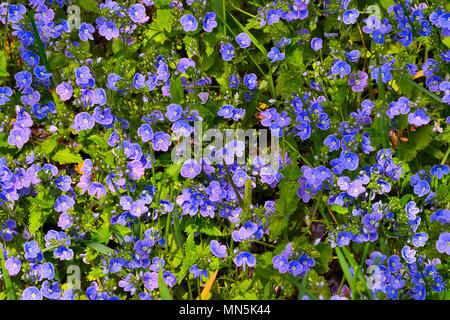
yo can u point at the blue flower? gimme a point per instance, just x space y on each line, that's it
137 13
353 55
41 73
350 16
251 81
16 12
31 293
408 254
13 265
116 264
51 290
350 161
174 112
280 262
109 30
275 55
31 250
7 230
273 16
419 239
443 244
332 143
391 292
83 121
209 22
161 141
63 203
245 259
189 22
226 111
378 36
340 67
422 188
439 171
243 40
85 32
5 93
217 249
316 44
145 132
63 183
198 273
394 263
227 51
23 79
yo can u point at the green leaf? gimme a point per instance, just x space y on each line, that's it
98 247
47 146
173 171
102 234
99 141
288 201
295 57
67 155
3 65
57 61
40 209
189 246
119 231
277 225
339 209
420 139
163 289
117 45
209 39
89 5
176 90
326 255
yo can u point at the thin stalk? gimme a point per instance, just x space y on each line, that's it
40 46
9 287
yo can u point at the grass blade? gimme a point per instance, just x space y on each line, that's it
419 87
357 270
10 292
346 269
163 289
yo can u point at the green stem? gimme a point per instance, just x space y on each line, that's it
230 179
445 156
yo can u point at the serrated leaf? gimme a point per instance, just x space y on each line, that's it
189 246
176 90
47 146
326 255
99 141
420 139
40 209
277 225
67 155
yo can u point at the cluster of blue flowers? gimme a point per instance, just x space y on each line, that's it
85 171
